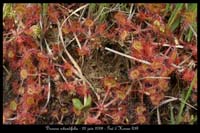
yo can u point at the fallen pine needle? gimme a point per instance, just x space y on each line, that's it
128 56
154 78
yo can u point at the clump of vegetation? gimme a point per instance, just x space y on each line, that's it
100 63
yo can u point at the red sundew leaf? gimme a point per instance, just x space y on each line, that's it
64 110
134 74
89 22
109 82
83 51
9 24
20 91
43 61
149 51
13 105
156 98
190 46
157 63
32 15
121 94
23 74
138 46
30 43
172 57
82 90
194 51
56 49
69 87
53 13
29 14
60 86
142 16
110 35
69 70
136 54
67 65
121 18
69 73
141 119
11 54
25 118
95 43
188 75
76 27
15 86
140 109
19 40
123 35
92 120
34 89
51 70
119 115
81 38
41 55
66 29
28 101
163 85
101 28
167 70
143 68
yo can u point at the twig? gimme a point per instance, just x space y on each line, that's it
184 60
164 102
39 78
181 100
168 45
70 42
158 117
62 75
127 92
80 8
48 48
49 93
12 119
171 99
41 26
131 13
75 36
154 78
72 11
4 67
178 67
128 56
68 54
79 72
80 17
195 34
